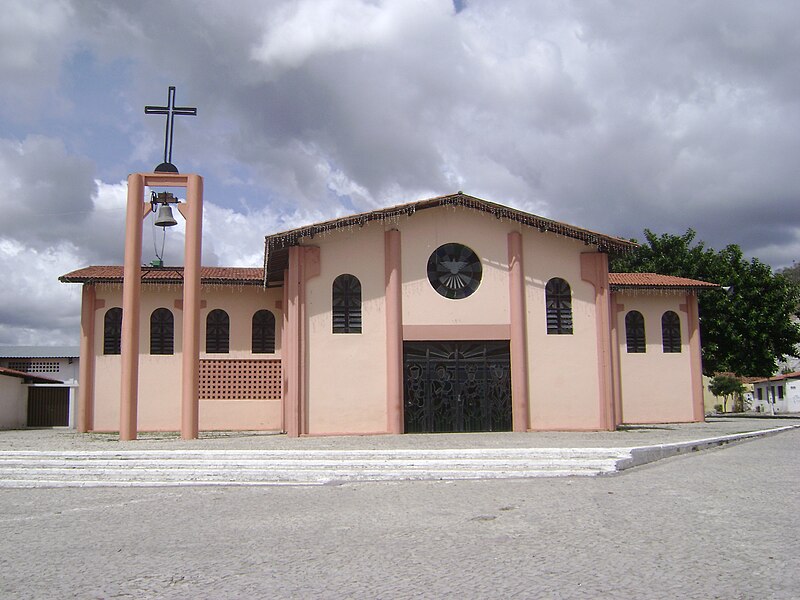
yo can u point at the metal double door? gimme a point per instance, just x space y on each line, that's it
457 386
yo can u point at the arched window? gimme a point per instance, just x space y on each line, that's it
162 331
634 332
263 332
671 332
558 299
218 332
346 304
112 331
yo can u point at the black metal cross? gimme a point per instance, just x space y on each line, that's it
170 110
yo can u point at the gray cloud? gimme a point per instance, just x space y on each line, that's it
35 37
614 116
47 193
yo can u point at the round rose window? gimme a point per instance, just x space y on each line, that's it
454 271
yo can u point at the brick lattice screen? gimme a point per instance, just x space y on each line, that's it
240 379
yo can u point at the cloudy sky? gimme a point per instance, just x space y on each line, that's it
614 116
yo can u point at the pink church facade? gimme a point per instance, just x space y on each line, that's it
448 314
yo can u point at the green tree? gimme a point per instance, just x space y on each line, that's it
744 330
792 273
726 385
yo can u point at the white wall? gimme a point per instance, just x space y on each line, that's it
66 369
770 399
13 402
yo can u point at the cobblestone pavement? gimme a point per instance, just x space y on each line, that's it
717 524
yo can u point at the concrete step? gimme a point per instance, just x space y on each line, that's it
295 467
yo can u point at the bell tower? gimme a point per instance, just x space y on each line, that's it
165 175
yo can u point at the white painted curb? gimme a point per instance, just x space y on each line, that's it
647 454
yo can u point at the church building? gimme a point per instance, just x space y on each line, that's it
451 314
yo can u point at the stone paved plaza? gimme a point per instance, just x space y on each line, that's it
715 524
631 435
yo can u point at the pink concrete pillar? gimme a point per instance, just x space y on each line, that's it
594 269
310 266
520 395
284 345
86 368
696 357
616 363
192 211
394 332
131 288
292 342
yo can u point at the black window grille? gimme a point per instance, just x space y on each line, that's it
671 332
558 299
346 304
634 332
112 331
162 332
263 332
218 332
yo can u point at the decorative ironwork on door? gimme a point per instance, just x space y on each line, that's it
457 386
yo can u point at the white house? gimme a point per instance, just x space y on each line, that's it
38 385
779 394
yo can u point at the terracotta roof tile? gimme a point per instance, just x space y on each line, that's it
654 280
793 375
208 275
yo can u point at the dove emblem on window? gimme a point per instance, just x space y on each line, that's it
454 271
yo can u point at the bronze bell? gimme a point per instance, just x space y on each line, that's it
164 217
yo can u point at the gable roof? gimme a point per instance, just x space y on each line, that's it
208 275
39 352
27 377
277 244
784 376
623 281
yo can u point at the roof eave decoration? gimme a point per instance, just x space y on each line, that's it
276 244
